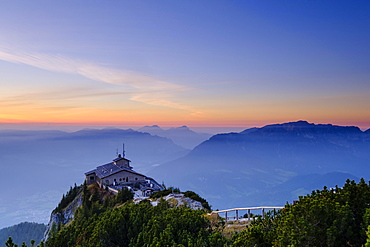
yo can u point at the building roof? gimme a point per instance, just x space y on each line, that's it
110 169
120 158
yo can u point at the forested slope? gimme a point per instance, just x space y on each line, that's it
329 217
23 232
336 217
109 220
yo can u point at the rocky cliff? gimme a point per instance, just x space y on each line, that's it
63 217
66 210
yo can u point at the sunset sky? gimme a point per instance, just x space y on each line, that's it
194 63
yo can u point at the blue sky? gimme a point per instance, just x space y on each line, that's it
196 63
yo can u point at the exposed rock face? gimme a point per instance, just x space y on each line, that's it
64 217
178 199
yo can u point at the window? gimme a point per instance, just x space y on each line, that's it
135 178
92 178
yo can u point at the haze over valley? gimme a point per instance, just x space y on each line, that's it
236 103
271 165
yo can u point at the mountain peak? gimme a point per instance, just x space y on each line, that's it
152 126
260 159
184 127
300 123
306 127
153 129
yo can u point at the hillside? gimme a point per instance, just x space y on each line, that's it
238 169
338 216
326 217
104 219
23 232
56 159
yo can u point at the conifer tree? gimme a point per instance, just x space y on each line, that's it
9 243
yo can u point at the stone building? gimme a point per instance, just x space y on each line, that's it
118 172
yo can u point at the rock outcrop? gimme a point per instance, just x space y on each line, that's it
64 217
179 199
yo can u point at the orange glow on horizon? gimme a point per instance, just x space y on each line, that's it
139 116
364 125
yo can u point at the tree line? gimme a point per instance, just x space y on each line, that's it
338 216
328 217
108 220
28 232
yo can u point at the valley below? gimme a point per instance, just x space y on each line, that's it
267 166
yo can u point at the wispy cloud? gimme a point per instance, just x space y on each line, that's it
142 88
78 93
159 98
57 100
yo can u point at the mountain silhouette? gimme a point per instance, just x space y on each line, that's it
182 136
236 169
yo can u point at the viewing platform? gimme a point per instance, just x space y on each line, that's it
248 209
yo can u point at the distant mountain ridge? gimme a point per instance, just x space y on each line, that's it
238 168
229 169
182 136
47 162
302 126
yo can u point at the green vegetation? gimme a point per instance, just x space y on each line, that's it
23 232
106 220
124 195
10 243
164 192
196 197
68 198
190 194
335 217
338 217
